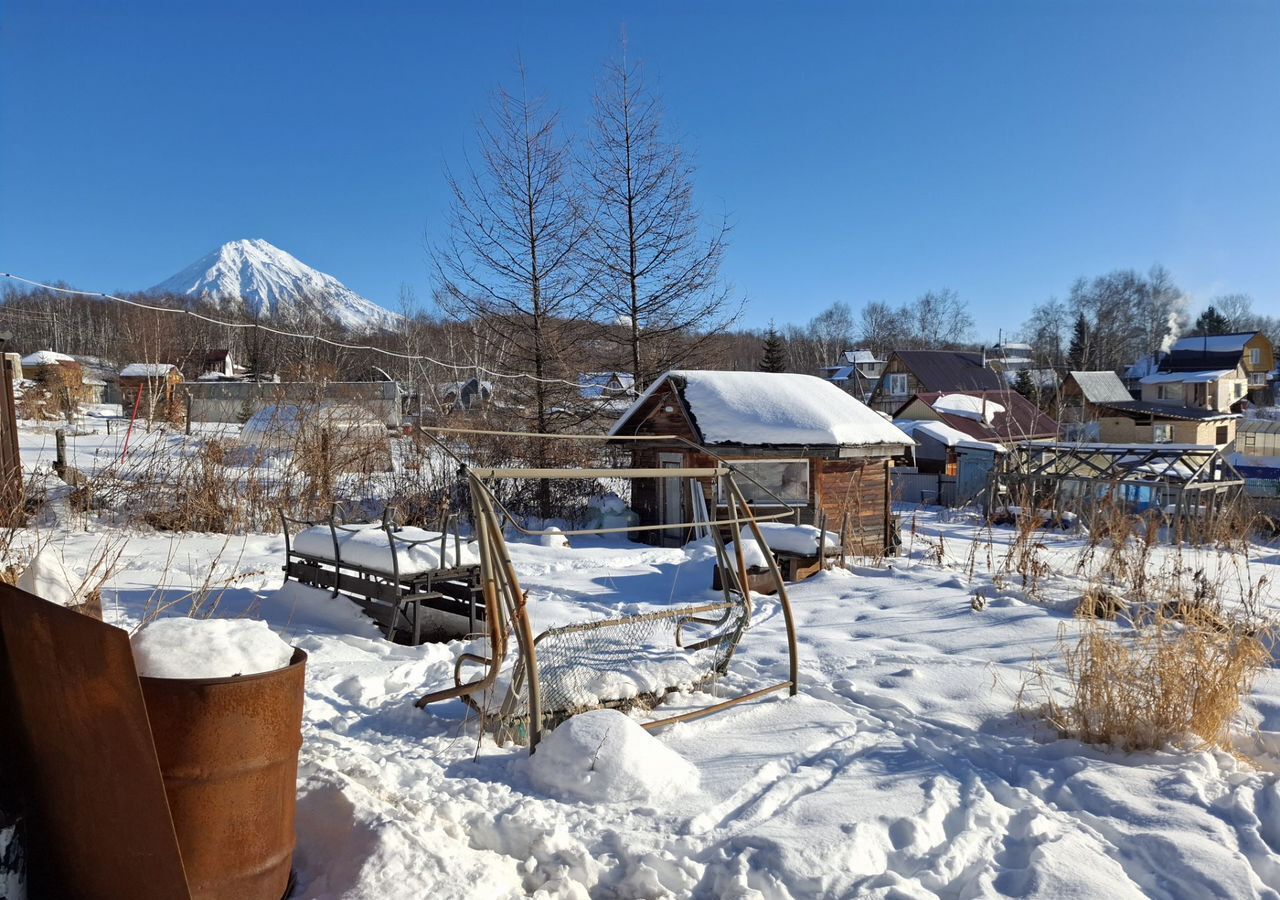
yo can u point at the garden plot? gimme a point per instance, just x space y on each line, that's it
903 769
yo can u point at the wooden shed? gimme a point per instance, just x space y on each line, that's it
150 387
811 445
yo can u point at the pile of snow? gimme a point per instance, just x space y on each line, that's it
605 757
610 511
208 648
784 537
46 576
757 408
553 537
801 539
752 553
369 545
968 407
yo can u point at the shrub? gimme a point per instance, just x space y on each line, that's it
1159 681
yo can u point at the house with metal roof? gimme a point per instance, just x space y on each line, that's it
1210 371
911 372
1096 406
856 373
1002 417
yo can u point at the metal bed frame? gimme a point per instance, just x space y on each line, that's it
400 602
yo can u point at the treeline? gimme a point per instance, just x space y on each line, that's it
1114 320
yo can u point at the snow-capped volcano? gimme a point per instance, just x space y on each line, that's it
254 275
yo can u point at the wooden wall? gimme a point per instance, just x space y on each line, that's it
859 488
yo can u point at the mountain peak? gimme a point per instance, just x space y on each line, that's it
254 275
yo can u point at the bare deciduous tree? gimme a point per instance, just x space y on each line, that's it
512 264
658 272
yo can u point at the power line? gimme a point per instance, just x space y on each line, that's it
290 334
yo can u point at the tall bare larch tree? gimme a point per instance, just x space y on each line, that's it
512 263
658 284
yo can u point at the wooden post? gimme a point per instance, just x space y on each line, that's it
60 450
10 462
188 396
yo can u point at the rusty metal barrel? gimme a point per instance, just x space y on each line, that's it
228 751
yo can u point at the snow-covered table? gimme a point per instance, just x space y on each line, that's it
418 585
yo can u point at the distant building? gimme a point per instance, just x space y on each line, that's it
911 372
856 373
610 392
141 384
1097 407
1002 417
219 365
465 396
1215 371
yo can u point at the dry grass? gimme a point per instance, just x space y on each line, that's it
1158 683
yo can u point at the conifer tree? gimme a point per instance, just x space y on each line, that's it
1078 349
775 351
1211 322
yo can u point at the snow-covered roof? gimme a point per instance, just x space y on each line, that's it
598 385
46 358
945 434
147 370
768 408
1101 387
1214 343
856 357
977 408
1188 377
1143 367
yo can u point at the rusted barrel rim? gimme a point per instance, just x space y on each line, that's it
299 658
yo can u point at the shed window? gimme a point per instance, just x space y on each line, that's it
787 479
1161 434
1255 356
1222 435
898 384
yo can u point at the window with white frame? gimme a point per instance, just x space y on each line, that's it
898 384
1161 434
761 480
1255 356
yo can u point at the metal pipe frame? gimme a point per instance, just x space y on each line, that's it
506 605
787 613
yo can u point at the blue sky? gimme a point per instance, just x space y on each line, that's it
863 151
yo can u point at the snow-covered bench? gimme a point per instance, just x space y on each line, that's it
418 584
797 548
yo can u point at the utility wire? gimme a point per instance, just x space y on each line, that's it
290 334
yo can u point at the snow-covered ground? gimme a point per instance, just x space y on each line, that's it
905 767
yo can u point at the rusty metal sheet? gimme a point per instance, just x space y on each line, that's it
101 826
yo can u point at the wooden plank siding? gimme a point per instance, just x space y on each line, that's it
859 488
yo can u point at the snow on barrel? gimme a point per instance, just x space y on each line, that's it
208 648
605 756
